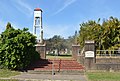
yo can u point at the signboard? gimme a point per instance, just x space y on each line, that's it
89 54
89 41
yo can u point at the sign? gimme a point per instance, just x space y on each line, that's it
89 41
89 54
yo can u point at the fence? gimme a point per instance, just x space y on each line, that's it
107 53
104 60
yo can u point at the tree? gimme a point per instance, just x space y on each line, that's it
8 25
17 48
89 31
56 43
106 35
111 34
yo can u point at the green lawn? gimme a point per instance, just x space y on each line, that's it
7 73
64 56
103 76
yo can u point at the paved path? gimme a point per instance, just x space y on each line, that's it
48 77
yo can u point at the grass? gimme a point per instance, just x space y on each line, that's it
4 73
8 80
65 56
103 76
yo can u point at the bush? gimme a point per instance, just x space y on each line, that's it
17 48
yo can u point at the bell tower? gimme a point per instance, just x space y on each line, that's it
38 31
37 25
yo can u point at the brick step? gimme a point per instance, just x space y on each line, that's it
71 67
59 68
62 65
70 64
60 59
68 67
68 61
63 68
43 69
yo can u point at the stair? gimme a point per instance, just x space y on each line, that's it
58 65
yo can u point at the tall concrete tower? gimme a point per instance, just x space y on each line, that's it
37 25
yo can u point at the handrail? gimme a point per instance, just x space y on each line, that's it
59 66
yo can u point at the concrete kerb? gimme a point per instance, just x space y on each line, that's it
41 77
34 79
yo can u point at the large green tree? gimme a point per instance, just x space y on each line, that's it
105 34
17 48
56 43
59 43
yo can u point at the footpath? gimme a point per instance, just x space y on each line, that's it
48 77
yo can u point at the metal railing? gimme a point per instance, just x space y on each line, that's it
107 53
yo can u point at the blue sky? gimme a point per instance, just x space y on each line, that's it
60 17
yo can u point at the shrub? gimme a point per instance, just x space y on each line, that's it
17 48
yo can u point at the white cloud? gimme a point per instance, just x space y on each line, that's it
66 4
23 7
